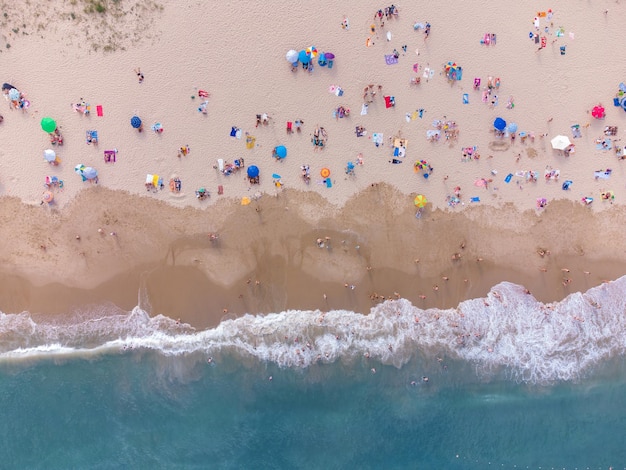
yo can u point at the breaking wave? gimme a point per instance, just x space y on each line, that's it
507 332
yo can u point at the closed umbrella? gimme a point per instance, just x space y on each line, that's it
49 155
135 122
253 171
560 142
48 125
499 124
292 56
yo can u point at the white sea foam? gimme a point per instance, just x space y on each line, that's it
506 331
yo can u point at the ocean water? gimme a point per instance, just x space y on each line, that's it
512 383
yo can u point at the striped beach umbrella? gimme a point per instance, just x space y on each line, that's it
420 201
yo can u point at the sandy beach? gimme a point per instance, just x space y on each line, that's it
112 240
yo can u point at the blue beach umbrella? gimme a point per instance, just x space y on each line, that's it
253 171
499 124
135 122
281 151
512 128
276 176
304 57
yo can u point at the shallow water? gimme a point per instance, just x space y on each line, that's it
537 389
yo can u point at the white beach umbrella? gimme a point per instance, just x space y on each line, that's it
292 56
560 142
49 155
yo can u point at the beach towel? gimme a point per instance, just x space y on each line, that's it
391 59
329 183
233 131
475 199
364 109
99 111
508 178
428 73
602 174
389 101
377 138
576 131
339 91
465 98
605 144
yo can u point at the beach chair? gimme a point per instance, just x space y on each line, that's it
91 137
110 156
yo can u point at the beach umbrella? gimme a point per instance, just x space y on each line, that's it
512 128
245 201
598 112
276 176
79 168
329 55
48 125
49 155
311 51
420 200
499 124
304 57
292 56
89 173
14 94
7 86
253 171
325 172
281 151
48 197
560 142
135 122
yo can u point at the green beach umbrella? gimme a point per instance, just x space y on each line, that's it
48 125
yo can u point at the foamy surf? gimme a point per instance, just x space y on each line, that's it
508 331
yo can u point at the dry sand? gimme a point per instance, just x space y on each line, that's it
237 54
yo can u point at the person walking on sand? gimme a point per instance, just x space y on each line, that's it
140 76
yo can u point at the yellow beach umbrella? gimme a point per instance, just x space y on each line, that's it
245 201
420 200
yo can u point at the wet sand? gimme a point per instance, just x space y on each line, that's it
266 258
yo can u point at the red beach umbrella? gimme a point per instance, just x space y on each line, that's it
598 112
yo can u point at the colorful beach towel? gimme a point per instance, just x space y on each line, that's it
391 59
602 174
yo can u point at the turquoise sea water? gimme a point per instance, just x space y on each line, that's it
531 387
